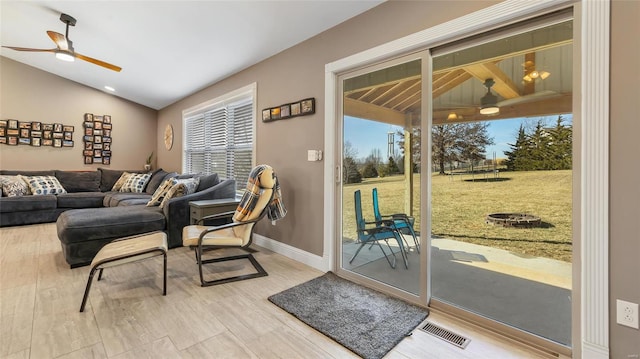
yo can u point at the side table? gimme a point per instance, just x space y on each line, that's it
201 209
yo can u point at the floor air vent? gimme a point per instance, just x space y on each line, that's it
446 335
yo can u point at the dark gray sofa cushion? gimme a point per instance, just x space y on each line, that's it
109 177
30 217
79 181
156 180
81 200
113 199
27 203
208 181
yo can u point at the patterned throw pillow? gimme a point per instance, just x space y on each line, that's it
136 182
190 183
177 190
41 185
121 181
13 186
160 193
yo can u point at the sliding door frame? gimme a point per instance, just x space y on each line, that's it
590 296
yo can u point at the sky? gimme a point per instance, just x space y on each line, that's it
365 135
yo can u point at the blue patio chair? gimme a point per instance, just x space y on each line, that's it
375 232
401 221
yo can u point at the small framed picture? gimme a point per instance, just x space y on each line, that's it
36 134
97 132
24 141
12 124
97 160
295 109
3 131
57 127
106 147
106 118
106 139
36 142
88 131
12 140
97 146
106 126
106 133
97 139
25 125
67 128
87 153
3 140
47 127
48 134
97 125
106 153
88 160
97 153
308 106
88 145
97 118
36 126
3 123
47 142
68 136
57 142
88 124
67 143
106 160
88 117
13 132
88 138
275 113
285 111
266 115
25 132
59 135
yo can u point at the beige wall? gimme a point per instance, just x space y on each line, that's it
624 240
30 94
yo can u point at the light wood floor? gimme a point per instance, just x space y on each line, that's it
127 316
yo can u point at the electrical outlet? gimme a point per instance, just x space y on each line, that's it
627 313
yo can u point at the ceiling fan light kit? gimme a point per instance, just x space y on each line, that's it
64 56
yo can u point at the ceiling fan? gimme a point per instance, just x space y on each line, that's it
64 50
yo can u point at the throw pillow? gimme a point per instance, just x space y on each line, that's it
136 183
160 193
177 190
41 185
121 181
13 186
191 184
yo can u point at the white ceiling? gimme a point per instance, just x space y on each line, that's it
167 49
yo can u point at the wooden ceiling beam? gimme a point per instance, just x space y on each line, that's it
504 86
366 110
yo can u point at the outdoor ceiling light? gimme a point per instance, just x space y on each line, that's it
535 74
489 102
452 116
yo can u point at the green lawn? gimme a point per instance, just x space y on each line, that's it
460 206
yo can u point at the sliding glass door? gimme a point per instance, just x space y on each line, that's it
379 190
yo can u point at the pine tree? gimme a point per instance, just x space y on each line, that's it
517 158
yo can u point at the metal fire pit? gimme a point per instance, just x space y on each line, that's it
520 220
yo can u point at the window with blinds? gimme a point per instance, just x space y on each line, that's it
218 138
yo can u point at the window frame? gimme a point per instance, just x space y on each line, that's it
248 93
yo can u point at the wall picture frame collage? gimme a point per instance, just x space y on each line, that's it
97 139
35 133
289 110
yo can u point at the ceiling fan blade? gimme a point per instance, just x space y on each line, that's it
98 62
29 49
59 39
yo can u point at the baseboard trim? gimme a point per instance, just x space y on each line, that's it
310 259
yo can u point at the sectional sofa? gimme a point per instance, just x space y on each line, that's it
89 214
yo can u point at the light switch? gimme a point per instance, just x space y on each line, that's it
314 155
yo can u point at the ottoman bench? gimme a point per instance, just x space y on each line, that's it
83 232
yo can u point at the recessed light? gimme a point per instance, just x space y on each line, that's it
109 88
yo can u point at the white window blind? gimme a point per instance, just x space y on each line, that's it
219 139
